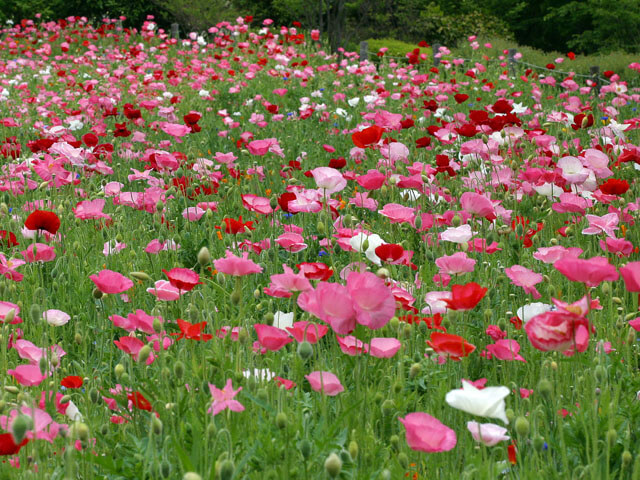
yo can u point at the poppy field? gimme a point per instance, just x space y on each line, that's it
237 255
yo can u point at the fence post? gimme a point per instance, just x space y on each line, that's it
175 31
512 61
436 49
595 76
364 51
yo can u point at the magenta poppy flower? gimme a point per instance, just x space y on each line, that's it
592 271
183 279
237 266
427 434
110 282
27 375
272 338
223 399
506 350
631 274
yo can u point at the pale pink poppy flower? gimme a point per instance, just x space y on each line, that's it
478 205
325 382
8 268
223 399
27 375
226 158
362 200
163 290
372 180
489 434
553 254
311 332
382 347
108 281
175 129
262 147
284 284
505 349
571 203
291 242
43 253
606 224
351 346
427 434
592 271
372 300
91 209
329 179
525 278
455 264
113 246
558 331
236 266
461 234
155 246
56 318
257 204
193 214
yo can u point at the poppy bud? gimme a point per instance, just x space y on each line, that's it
78 338
305 350
538 442
268 318
631 336
353 449
204 256
11 314
522 426
178 369
612 437
243 335
119 370
262 395
157 325
80 431
140 276
385 474
305 448
159 206
165 469
394 323
156 426
227 469
21 425
320 228
365 245
388 407
600 373
333 465
191 476
11 389
415 370
236 296
94 395
383 273
606 288
273 202
211 430
281 420
394 441
97 294
626 458
403 460
345 456
418 222
143 354
545 388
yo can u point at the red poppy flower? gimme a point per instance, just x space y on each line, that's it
121 130
608 73
407 123
8 238
432 323
139 401
389 252
430 105
283 382
183 278
502 106
423 142
550 66
90 139
237 226
8 446
192 331
465 297
284 199
337 163
367 137
72 381
43 220
461 97
511 450
467 130
582 121
315 271
571 55
454 346
613 186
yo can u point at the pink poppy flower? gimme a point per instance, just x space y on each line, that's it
381 347
39 252
619 246
132 346
372 180
8 268
175 129
193 214
525 278
309 331
272 338
373 302
291 242
325 382
455 264
223 399
631 275
478 205
558 331
111 282
427 434
592 271
56 318
236 266
27 375
163 290
606 224
331 303
10 309
351 346
284 284
487 433
257 204
506 350
91 209
329 179
553 254
571 203
397 213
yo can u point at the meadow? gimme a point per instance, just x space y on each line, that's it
237 255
